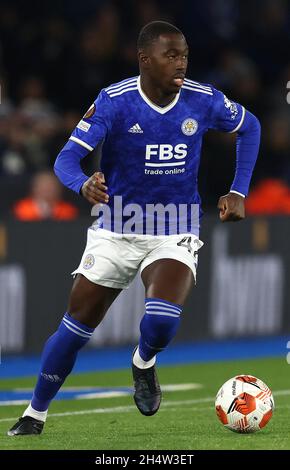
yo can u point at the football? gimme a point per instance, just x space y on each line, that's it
244 404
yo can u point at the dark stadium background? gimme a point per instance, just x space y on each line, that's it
55 57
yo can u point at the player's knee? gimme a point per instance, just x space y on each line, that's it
83 312
82 309
82 317
89 302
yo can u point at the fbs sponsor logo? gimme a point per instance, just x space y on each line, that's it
162 155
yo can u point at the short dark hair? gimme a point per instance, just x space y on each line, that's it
151 31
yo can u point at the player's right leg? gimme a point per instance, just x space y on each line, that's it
88 305
105 269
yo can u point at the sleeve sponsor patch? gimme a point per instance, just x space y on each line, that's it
90 111
83 126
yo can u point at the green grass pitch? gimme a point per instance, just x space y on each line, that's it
185 421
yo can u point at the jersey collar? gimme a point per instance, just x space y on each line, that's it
159 109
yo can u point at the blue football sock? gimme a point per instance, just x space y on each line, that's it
158 326
58 358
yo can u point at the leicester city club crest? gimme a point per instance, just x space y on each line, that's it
189 126
89 261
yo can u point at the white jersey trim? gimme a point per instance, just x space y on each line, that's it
199 90
196 84
159 109
241 121
123 91
81 142
121 84
236 192
122 87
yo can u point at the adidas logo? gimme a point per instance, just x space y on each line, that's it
136 129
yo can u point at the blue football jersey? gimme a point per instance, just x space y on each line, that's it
151 154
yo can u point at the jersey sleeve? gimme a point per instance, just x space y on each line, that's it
95 124
226 115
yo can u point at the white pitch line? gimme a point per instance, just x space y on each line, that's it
109 394
116 393
180 387
120 409
99 394
165 388
126 409
281 392
14 402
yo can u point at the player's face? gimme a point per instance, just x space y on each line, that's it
167 62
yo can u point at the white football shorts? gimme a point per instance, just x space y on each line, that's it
113 260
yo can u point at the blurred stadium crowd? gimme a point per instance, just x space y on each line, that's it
55 56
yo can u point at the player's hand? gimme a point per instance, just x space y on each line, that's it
232 207
94 189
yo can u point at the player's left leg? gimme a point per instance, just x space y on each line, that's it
167 283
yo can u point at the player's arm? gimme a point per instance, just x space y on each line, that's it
68 169
231 206
232 117
93 127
